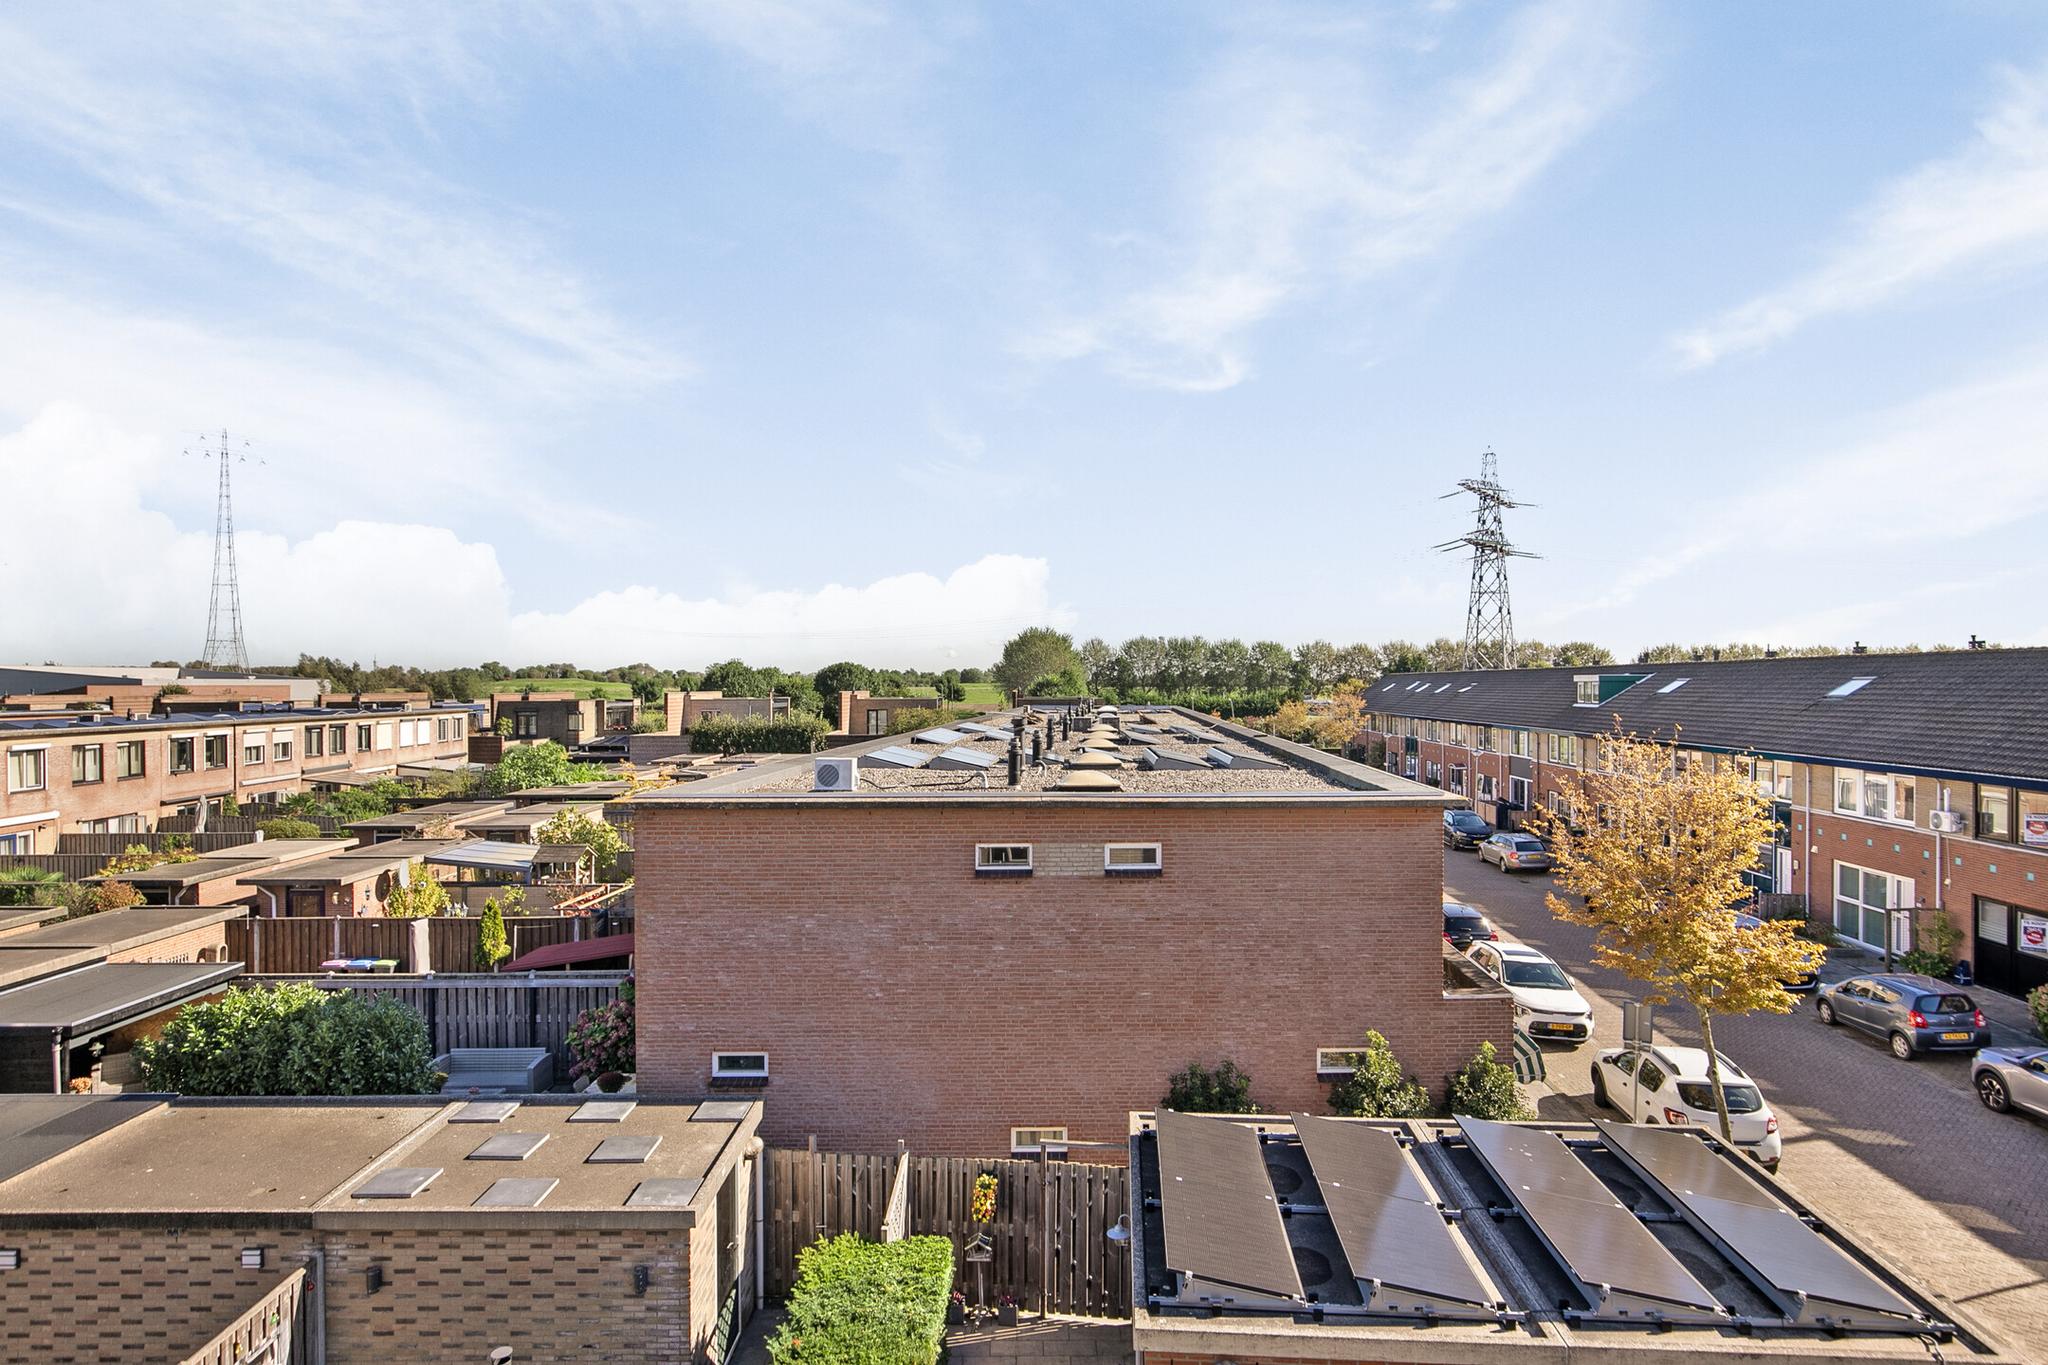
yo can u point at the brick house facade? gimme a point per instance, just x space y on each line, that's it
899 992
94 772
1857 779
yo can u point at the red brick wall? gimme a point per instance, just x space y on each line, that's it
900 996
183 947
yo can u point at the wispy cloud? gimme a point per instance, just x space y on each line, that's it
1978 211
1306 174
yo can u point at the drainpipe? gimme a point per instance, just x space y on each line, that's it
57 1060
756 1151
318 1354
1812 843
270 896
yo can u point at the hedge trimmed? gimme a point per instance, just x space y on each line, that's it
758 735
867 1303
295 1039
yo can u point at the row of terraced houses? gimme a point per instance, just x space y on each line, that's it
1907 785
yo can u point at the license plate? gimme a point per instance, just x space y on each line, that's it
1955 1037
1555 1028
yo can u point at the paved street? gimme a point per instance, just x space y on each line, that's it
1900 1152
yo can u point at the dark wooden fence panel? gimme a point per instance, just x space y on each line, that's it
104 846
1064 1207
70 866
291 946
483 1009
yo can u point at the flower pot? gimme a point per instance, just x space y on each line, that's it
1006 1315
956 1314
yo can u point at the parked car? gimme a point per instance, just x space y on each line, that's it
1463 925
1805 981
1669 1086
1464 829
1512 852
1915 1014
2012 1078
1547 1005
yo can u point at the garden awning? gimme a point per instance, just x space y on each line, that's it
488 855
1528 1059
564 954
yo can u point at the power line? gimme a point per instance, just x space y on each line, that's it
1489 620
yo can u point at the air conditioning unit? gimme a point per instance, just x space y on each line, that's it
835 774
1945 821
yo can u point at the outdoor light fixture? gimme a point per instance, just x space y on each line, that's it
499 1355
373 1279
252 1258
641 1276
1120 1234
10 1258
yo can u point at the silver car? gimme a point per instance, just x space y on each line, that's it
2012 1078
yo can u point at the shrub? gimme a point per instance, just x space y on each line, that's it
1377 1088
1485 1088
29 886
918 718
602 1038
1926 962
284 827
2037 1005
492 947
422 896
592 831
294 1039
867 1303
1198 1090
788 734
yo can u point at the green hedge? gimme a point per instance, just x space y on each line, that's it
295 1039
758 735
870 1303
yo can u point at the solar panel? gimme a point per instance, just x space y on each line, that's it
1618 1265
896 756
1771 1243
521 1192
1166 760
956 759
399 1182
1221 1218
942 735
1391 1226
975 727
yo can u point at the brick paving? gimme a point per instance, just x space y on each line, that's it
1899 1154
1056 1341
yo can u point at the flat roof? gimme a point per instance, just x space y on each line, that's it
112 931
180 1156
104 995
15 920
1278 770
1389 1226
224 862
26 964
350 864
419 817
488 854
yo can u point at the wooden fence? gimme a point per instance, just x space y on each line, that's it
245 824
486 1010
70 866
105 846
1065 1208
289 946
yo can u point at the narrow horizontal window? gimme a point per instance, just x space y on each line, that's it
1130 858
738 1066
1337 1061
1003 859
1027 1141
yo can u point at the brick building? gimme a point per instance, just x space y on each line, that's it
102 772
1907 785
939 956
142 1229
862 714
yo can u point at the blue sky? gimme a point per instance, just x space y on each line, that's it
813 331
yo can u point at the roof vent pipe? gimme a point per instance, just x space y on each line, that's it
1975 641
1036 751
1016 763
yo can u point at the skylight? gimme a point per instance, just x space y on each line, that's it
1445 688
1853 685
1468 687
1673 685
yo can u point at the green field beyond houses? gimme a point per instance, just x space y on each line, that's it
582 687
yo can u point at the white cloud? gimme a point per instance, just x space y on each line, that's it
1306 175
99 573
1980 210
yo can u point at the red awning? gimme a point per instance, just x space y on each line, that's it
563 954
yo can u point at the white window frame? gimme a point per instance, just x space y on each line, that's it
253 742
42 782
722 1070
1857 782
1899 892
1040 1136
1329 1065
1522 799
1112 868
1454 778
985 867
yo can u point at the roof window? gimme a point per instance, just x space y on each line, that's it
1672 686
1853 685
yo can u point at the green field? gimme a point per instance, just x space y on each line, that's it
582 687
978 694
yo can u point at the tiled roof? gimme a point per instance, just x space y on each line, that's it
1964 712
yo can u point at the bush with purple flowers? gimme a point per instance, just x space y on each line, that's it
601 1039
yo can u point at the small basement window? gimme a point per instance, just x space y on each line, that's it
1332 1062
739 1066
1131 859
1853 685
1002 860
1027 1141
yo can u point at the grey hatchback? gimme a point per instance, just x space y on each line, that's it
1915 1014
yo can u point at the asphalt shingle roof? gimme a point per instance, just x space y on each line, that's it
1966 712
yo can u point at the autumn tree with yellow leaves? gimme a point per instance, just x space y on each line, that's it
1657 861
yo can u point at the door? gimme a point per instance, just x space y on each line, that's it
2012 947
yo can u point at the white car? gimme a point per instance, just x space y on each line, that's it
1547 1005
1669 1086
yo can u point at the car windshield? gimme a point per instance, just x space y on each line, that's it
1742 1099
1465 819
1543 975
1944 1004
